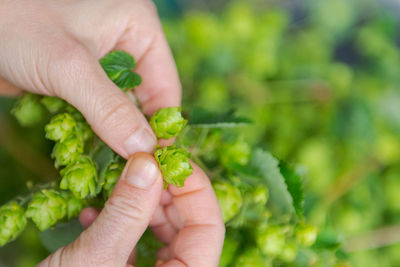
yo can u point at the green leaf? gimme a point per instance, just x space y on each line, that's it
205 119
267 167
61 235
119 65
294 186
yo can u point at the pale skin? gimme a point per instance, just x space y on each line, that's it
52 48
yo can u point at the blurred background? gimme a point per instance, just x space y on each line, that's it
320 80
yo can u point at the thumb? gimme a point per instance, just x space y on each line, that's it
78 78
126 215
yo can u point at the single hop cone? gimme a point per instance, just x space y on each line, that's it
260 194
60 127
270 239
67 151
46 208
12 222
174 164
168 122
235 153
53 104
74 205
80 177
251 257
83 130
306 234
229 199
111 176
28 110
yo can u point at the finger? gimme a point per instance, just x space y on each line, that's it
8 89
161 227
111 238
87 216
199 242
146 41
79 79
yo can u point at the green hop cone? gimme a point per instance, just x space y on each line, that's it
174 164
235 153
168 122
229 198
270 239
289 252
74 205
111 176
12 222
306 234
53 104
251 257
28 110
80 177
60 127
84 131
67 151
260 194
46 208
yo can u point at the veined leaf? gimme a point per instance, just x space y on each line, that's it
294 186
205 119
61 235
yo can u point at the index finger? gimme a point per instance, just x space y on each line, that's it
200 240
146 41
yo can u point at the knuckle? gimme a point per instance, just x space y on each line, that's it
111 109
125 205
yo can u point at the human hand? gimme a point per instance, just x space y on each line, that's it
188 220
53 47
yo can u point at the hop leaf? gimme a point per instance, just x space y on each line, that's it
229 198
111 176
236 153
118 66
74 205
67 151
28 110
60 127
174 164
168 122
12 222
46 208
306 234
53 104
80 177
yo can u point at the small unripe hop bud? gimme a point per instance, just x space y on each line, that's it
235 153
111 176
270 239
67 151
229 198
60 127
46 208
80 177
12 222
53 104
251 258
306 234
74 205
260 194
174 164
28 110
168 122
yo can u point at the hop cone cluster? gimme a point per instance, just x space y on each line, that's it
12 222
174 164
168 122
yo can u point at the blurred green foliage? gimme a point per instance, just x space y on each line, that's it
319 79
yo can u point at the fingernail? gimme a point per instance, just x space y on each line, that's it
143 140
142 173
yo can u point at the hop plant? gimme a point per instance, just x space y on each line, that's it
306 234
168 122
46 208
28 110
229 198
80 177
67 151
235 153
111 176
60 127
12 222
53 104
174 164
